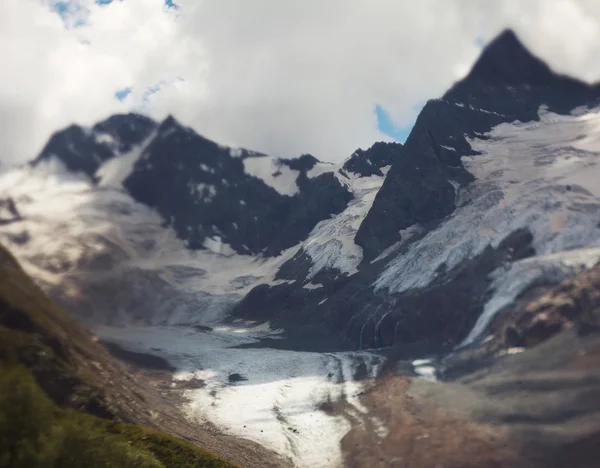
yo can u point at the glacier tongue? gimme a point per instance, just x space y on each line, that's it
273 397
331 243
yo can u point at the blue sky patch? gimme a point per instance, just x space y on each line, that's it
72 14
122 94
75 15
168 3
387 126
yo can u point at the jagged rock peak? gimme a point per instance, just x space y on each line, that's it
302 163
83 149
369 162
506 60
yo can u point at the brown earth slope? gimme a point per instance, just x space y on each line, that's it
537 405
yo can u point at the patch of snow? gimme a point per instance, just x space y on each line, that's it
206 192
311 286
509 351
425 369
330 244
280 281
168 132
206 168
484 111
216 245
380 429
385 169
322 168
104 138
114 171
277 400
273 173
235 152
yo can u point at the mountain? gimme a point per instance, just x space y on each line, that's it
469 254
207 193
506 84
465 200
416 245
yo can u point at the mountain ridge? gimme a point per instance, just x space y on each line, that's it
337 236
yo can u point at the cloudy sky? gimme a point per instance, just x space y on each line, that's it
282 76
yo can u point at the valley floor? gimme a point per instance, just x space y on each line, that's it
361 410
280 399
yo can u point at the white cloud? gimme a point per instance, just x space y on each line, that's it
281 76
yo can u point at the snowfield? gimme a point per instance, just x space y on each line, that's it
331 243
273 173
270 396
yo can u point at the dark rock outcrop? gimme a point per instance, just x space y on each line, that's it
348 310
575 303
369 162
84 150
203 191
